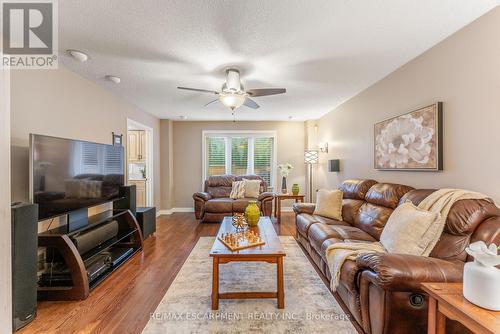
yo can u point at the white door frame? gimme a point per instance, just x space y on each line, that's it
5 200
149 157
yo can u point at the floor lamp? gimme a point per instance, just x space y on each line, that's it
311 157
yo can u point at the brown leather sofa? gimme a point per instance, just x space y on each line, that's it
213 204
382 291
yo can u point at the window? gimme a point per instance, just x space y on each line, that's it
240 153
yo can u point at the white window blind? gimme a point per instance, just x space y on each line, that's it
263 155
216 156
239 156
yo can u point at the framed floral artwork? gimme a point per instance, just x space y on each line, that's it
413 141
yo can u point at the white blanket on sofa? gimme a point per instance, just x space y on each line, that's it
439 201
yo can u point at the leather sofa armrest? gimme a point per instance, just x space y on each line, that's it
200 199
201 196
399 272
266 196
304 208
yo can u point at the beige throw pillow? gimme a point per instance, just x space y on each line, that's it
252 188
329 203
408 230
238 190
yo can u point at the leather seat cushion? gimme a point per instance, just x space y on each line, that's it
305 220
219 205
239 205
318 233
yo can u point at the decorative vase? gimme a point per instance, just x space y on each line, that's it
252 213
295 189
481 276
481 285
283 185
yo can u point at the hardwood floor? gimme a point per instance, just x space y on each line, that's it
122 303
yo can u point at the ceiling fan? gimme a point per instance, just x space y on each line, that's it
233 95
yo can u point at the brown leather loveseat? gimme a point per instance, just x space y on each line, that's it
213 204
381 290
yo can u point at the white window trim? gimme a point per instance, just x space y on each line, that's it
237 133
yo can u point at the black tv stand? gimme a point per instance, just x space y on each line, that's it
59 240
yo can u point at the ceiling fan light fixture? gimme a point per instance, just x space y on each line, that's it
232 100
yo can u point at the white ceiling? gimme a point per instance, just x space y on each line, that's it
323 51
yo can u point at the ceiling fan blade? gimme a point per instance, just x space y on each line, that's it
265 91
199 90
251 103
216 100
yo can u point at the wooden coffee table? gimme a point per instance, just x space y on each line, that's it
271 252
447 301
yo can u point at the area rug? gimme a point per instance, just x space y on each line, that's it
309 306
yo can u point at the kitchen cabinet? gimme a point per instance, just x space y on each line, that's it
136 146
140 194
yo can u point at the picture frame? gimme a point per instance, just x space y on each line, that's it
410 142
117 139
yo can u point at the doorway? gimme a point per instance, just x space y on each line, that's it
140 161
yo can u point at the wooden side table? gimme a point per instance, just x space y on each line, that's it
280 197
447 301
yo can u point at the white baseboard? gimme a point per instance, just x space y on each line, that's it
173 210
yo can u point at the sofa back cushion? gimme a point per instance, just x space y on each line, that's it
356 188
263 184
219 186
350 209
380 200
386 194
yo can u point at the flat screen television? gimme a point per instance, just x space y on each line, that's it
67 175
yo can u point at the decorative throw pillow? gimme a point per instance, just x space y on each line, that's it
329 203
252 188
238 190
408 230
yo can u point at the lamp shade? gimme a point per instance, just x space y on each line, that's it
232 100
311 156
334 165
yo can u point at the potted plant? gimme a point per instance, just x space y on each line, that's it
284 170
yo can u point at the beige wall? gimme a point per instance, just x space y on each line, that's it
464 72
166 164
187 157
61 103
5 223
